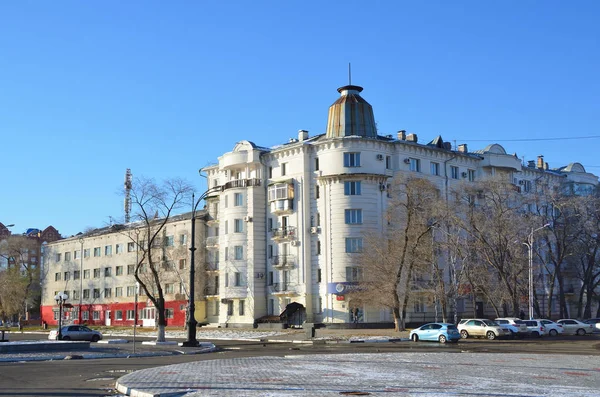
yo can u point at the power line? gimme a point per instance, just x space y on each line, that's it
531 139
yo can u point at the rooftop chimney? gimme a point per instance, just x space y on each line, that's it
447 145
540 162
463 148
531 163
302 135
412 138
402 135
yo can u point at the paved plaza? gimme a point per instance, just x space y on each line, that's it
393 374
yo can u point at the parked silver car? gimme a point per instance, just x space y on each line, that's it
481 327
76 332
576 327
515 325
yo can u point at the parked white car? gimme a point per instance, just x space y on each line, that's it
515 325
535 327
594 322
576 327
552 328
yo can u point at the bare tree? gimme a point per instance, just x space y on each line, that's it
153 204
395 262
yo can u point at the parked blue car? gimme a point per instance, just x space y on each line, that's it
437 332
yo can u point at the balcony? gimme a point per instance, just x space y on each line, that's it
235 292
241 183
211 290
284 233
282 289
212 220
283 206
211 266
212 242
283 261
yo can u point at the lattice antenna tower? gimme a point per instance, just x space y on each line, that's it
127 195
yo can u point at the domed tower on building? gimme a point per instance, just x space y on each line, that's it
351 115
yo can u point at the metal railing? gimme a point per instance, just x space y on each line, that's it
283 260
284 232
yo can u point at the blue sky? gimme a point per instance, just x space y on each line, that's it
89 89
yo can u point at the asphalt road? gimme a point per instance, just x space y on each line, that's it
97 377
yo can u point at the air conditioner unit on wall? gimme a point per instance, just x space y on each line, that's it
314 230
521 182
407 161
380 157
247 219
464 174
295 243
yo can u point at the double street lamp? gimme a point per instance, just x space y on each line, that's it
529 245
61 299
192 323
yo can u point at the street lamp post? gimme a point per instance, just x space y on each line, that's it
60 299
192 323
137 285
79 314
529 245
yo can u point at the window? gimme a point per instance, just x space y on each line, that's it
271 279
170 241
130 269
118 292
238 226
86 253
107 292
241 308
75 254
182 264
130 314
131 290
57 277
238 279
225 201
317 192
238 199
435 168
119 271
352 188
283 169
226 253
415 165
96 315
239 252
318 247
183 239
351 159
86 273
96 251
107 271
319 277
388 162
227 279
58 256
527 186
270 172
353 217
472 175
86 294
119 315
169 313
230 308
107 250
67 256
66 275
419 306
169 288
353 274
281 191
85 316
76 275
316 164
453 172
119 248
97 273
96 293
75 294
354 245
130 247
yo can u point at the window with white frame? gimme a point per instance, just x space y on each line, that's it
96 315
230 308
131 290
238 199
471 175
283 169
237 279
118 292
107 292
86 294
86 274
281 191
58 257
353 216
435 168
57 276
169 288
97 251
353 274
183 239
239 252
419 305
527 186
130 314
415 164
454 172
67 256
238 226
241 307
130 269
119 315
130 247
85 316
182 264
75 294
96 293
352 159
119 270
97 273
107 250
86 253
170 241
119 248
352 188
107 271
388 162
169 313
76 254
354 244
67 276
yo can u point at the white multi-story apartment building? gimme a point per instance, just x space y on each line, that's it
290 219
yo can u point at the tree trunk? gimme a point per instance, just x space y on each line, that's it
162 320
